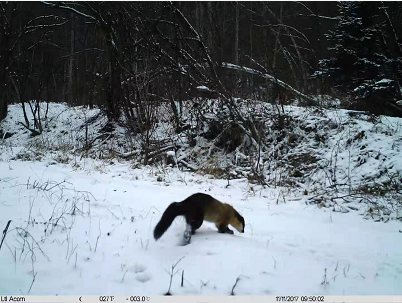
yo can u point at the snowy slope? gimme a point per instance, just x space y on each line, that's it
83 225
318 149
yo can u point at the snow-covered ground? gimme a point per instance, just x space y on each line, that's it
92 234
84 226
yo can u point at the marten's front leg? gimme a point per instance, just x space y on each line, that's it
223 226
229 231
224 229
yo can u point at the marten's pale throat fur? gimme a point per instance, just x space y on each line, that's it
196 209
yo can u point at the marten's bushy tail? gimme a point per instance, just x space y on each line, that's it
175 209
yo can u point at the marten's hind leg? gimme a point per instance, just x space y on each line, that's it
194 222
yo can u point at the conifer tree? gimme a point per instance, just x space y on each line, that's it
362 63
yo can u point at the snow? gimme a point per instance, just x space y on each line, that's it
384 81
203 88
285 248
371 147
85 225
171 153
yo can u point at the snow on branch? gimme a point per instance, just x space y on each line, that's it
269 78
319 16
66 6
31 28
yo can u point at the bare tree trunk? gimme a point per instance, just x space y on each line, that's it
303 73
5 22
70 98
201 26
277 41
391 30
171 99
3 106
209 35
236 60
251 43
223 31
175 113
394 35
251 30
3 74
114 89
198 16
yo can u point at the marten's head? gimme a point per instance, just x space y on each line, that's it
238 222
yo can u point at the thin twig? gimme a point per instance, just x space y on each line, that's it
33 280
112 213
33 239
97 239
5 233
237 280
172 273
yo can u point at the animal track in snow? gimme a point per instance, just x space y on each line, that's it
145 277
139 268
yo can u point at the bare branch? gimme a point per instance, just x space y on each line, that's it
71 9
5 233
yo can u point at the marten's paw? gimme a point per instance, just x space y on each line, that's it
228 231
187 235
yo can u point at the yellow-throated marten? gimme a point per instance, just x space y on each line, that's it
196 209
